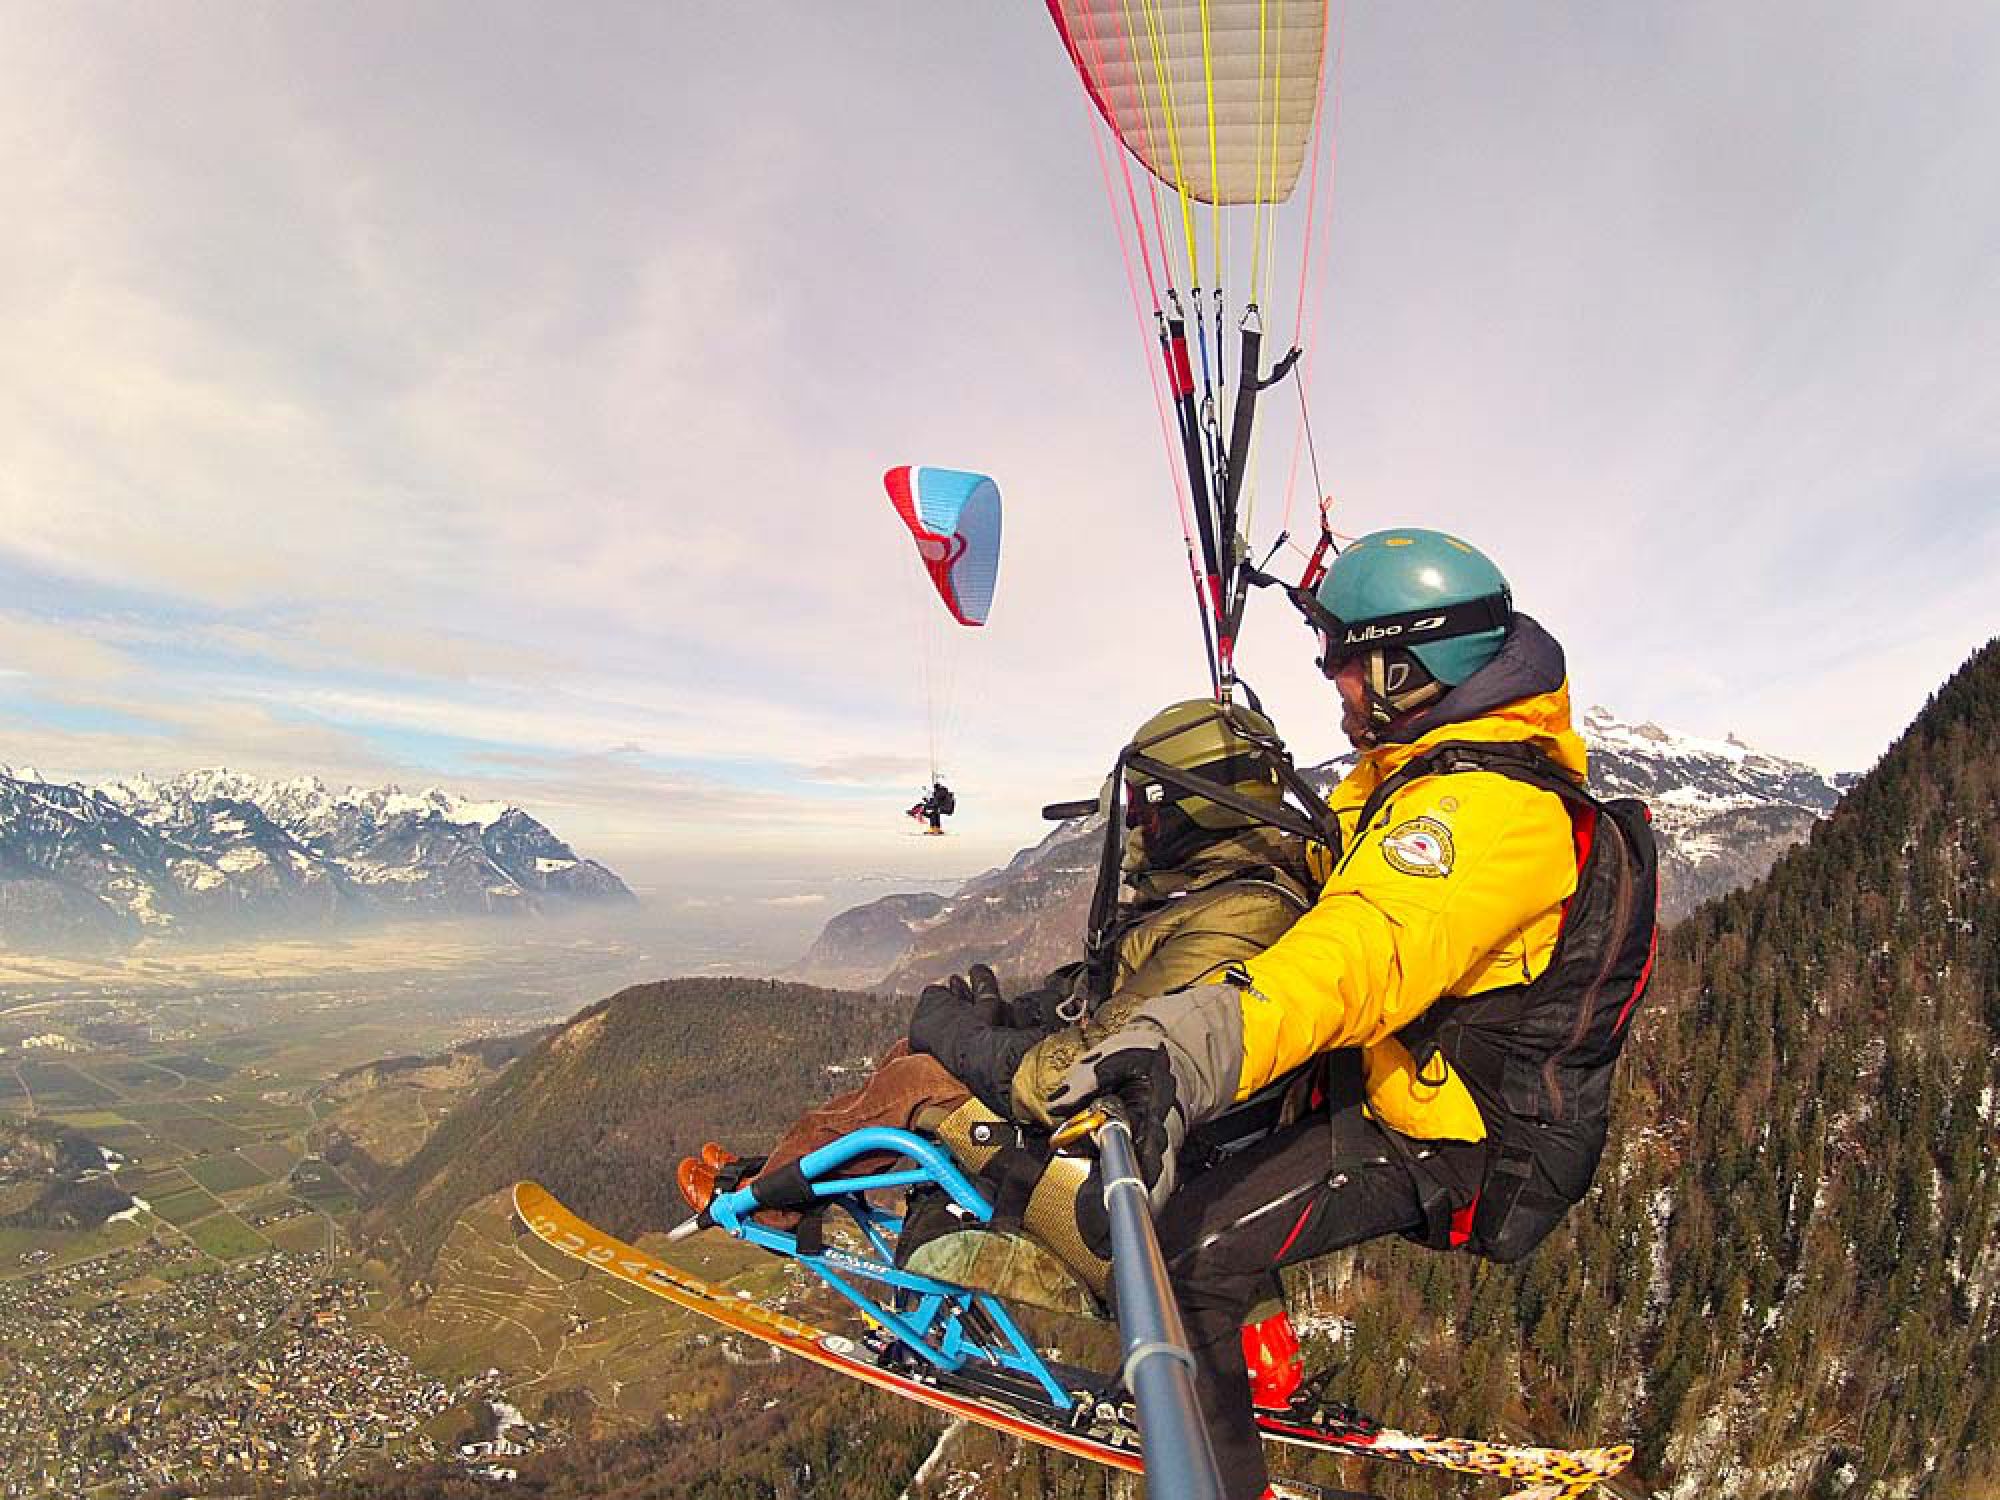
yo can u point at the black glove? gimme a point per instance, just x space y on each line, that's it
958 1023
1173 1064
1141 1078
953 1003
1050 1005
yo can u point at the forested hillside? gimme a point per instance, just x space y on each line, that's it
781 1436
1823 1075
602 1110
1787 1281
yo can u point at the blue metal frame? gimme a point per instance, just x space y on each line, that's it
934 1328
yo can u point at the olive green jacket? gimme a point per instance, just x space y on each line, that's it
1184 928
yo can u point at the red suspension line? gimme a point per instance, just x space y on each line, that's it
1313 253
1125 167
1147 324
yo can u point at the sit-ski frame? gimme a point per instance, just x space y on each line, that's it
933 1321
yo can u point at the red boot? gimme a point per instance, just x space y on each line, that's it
1271 1350
696 1180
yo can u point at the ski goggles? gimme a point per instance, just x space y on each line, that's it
1143 803
1341 642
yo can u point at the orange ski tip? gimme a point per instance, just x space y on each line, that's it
532 1199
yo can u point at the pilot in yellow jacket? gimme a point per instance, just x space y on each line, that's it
1457 887
1454 887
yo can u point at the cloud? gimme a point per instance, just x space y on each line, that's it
37 649
869 770
360 418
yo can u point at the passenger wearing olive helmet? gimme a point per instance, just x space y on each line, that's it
1229 747
1205 886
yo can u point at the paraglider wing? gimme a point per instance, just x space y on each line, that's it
1160 82
954 518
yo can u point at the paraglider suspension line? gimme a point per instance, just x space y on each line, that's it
1305 423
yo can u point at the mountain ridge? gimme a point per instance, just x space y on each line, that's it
216 851
1724 813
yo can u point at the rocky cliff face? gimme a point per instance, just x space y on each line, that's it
863 943
1024 918
216 852
1724 813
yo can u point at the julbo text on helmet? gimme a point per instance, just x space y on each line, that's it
1422 609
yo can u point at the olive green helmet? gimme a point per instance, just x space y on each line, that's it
1233 746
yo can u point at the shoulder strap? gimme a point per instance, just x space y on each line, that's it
1512 759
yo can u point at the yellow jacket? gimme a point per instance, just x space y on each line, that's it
1455 888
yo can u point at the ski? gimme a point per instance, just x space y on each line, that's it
1099 1426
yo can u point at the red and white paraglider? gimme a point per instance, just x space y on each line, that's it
953 518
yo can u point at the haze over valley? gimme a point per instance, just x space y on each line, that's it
244 1170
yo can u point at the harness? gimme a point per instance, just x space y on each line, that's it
1309 821
1538 1057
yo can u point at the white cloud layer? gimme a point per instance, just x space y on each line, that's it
477 394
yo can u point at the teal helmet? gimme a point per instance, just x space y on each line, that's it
1424 609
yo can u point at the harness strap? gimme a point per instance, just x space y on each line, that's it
1439 1199
1276 814
785 1187
1316 824
1521 762
1013 1173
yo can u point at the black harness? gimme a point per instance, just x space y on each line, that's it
1538 1057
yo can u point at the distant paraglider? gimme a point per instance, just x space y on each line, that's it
953 517
934 807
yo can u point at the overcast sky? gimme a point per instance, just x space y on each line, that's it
498 395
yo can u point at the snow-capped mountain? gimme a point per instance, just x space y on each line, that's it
215 851
1724 813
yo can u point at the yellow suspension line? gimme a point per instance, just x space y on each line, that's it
1257 219
1214 163
1161 74
1152 134
1277 122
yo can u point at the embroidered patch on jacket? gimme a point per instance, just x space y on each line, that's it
1421 846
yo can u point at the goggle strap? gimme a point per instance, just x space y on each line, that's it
1278 815
1415 627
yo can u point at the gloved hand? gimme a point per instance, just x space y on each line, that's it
1173 1062
1050 1005
962 1000
958 1023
